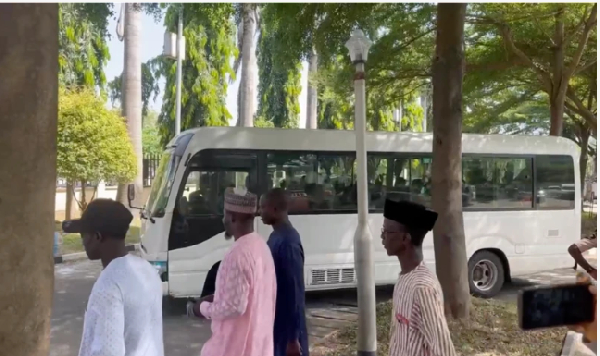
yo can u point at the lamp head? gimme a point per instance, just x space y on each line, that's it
358 45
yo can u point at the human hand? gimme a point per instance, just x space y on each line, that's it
293 349
589 330
196 306
208 298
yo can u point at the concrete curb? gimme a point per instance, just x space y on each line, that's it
82 255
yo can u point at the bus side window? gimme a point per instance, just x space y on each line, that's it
315 181
555 182
204 191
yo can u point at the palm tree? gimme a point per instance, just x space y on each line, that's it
28 98
129 32
311 95
248 25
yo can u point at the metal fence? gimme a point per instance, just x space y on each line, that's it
150 166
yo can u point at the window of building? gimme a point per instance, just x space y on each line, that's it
314 181
555 182
497 183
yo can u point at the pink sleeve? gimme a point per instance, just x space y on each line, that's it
231 296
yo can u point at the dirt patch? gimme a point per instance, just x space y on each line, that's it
491 330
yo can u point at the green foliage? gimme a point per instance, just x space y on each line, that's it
92 143
398 65
538 46
261 122
210 48
151 144
279 85
150 88
83 51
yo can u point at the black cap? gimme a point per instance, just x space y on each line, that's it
106 216
410 214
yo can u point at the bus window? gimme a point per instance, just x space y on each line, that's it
198 216
205 190
408 179
377 171
420 181
161 187
497 183
556 182
314 181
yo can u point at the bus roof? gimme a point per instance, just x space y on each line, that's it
344 140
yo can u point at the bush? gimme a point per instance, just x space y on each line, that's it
93 143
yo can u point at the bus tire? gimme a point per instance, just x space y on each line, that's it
486 274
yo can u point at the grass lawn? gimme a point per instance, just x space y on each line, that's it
72 242
491 330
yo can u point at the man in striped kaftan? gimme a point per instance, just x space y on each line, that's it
418 325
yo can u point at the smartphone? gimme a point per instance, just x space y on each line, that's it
559 305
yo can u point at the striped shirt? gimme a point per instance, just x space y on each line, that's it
419 326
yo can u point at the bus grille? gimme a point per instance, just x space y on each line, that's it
332 276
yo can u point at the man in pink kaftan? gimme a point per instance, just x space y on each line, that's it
242 309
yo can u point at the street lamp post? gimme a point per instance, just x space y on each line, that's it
358 45
178 75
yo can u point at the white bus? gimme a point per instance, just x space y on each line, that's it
521 201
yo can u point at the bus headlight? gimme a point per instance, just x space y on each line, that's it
161 269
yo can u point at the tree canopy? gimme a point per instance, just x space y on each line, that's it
210 50
151 140
83 51
93 143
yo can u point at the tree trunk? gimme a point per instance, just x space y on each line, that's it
311 95
247 83
83 199
122 188
132 87
28 109
558 89
449 236
122 194
557 111
69 200
583 159
425 106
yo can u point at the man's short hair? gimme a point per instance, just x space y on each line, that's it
416 235
278 197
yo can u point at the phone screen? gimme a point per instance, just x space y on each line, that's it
552 306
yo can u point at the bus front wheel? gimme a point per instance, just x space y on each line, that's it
486 274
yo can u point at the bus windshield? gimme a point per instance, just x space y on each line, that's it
161 187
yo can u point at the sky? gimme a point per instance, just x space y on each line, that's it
151 46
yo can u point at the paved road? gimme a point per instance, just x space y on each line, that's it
182 336
72 286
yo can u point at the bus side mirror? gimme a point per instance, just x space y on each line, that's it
130 194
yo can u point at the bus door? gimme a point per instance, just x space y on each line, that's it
197 240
